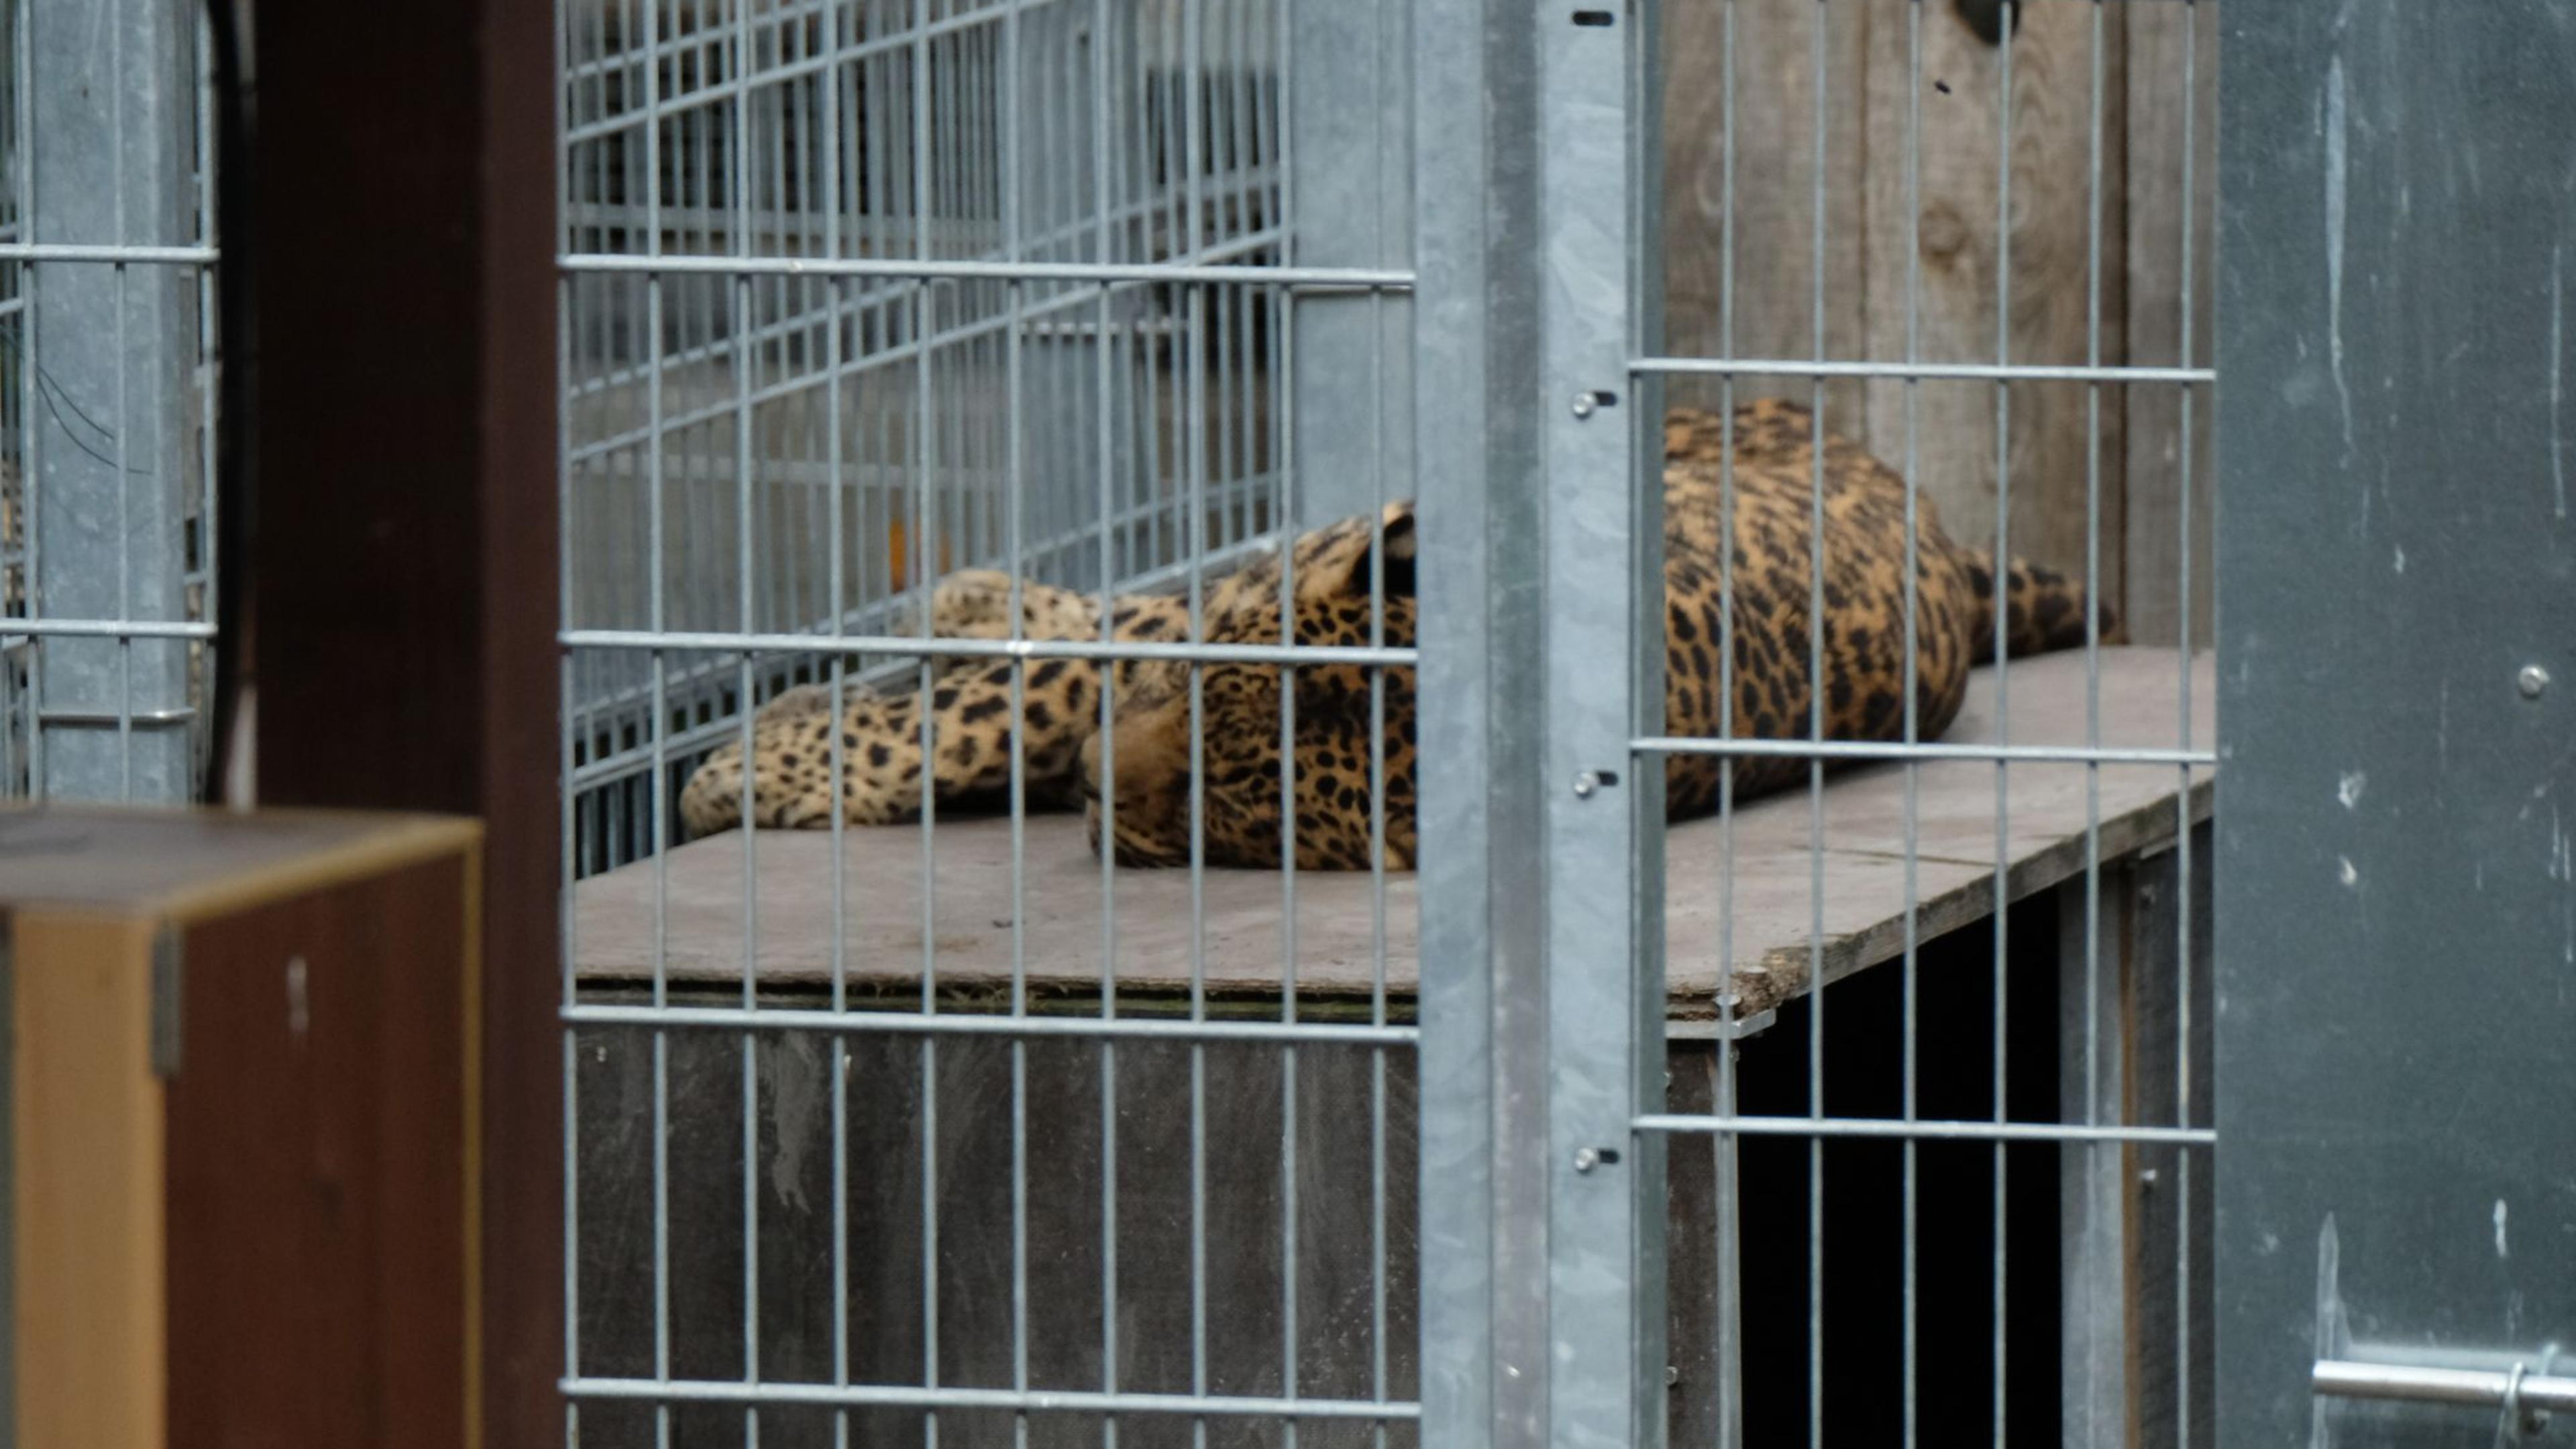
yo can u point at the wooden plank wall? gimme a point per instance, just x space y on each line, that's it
1860 298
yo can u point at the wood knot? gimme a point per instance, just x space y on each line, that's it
1942 232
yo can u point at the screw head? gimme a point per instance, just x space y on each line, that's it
1672 1375
2532 681
1583 404
1586 1159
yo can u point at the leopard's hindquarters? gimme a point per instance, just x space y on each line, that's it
2043 609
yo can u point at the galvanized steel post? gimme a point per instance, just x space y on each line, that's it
103 361
1541 589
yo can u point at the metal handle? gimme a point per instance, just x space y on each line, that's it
2483 1388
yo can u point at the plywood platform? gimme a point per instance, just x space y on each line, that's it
1071 915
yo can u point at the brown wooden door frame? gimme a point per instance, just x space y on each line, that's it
390 273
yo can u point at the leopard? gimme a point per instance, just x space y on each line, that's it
1181 763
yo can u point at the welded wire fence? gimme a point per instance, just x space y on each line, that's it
1970 1201
946 1125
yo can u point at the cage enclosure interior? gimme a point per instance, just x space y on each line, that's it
991 457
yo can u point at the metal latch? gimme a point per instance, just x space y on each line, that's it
2475 1388
2524 1392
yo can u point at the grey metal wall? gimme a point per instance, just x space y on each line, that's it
2397 912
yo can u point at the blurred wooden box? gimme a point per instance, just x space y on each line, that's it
239 1085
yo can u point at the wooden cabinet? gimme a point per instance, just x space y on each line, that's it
242 1161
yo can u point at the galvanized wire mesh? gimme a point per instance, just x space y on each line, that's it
858 293
2024 1184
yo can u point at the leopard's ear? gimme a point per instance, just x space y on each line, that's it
1395 533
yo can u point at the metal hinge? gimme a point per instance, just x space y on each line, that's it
167 973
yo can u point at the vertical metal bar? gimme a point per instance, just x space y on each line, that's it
1015 485
1377 880
1191 435
1484 1169
209 529
30 316
1815 765
1726 1194
830 141
657 612
1288 905
924 525
1649 999
1103 155
1379 433
1604 979
31 283
742 326
566 292
2003 683
1288 500
120 279
1911 1305
2098 1356
2183 783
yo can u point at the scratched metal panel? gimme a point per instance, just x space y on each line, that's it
2396 911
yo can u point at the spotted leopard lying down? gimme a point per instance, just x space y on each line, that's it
970 702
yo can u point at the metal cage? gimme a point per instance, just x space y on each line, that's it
955 1128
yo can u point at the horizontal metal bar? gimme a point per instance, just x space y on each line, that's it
141 718
1916 371
1719 1029
707 96
960 1023
1367 278
2474 1388
15 628
1923 1130
913 646
1927 751
902 1396
722 349
107 252
899 291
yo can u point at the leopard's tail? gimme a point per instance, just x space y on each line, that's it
2043 609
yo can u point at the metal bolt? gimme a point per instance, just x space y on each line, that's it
2147 1180
1583 404
1586 783
1672 1374
2532 681
1586 1159
299 1005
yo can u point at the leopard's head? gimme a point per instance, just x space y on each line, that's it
1335 582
